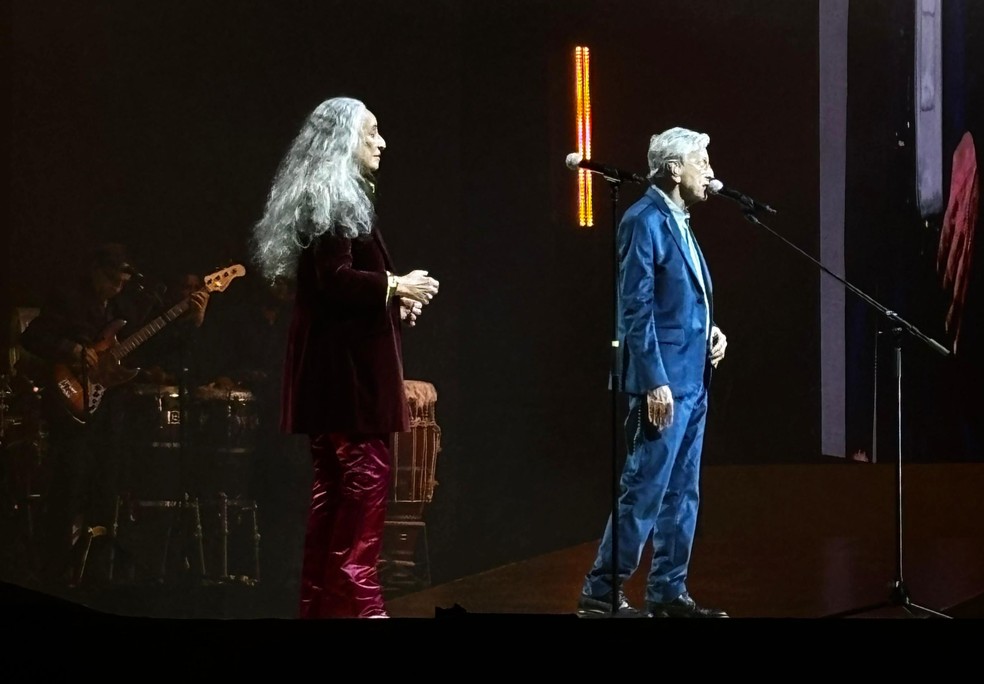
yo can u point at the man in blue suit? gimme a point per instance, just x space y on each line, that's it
669 346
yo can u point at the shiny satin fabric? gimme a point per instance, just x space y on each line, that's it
955 255
345 527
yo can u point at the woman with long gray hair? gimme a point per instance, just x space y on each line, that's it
343 372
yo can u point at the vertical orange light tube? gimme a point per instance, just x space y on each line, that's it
582 86
587 132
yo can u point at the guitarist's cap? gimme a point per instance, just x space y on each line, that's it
111 257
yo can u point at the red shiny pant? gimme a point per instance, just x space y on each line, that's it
345 526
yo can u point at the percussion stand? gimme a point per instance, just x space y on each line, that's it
184 452
185 503
6 489
92 532
12 502
221 501
5 393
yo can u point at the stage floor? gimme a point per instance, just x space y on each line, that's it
798 542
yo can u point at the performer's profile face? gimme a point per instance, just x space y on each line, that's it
109 283
372 144
695 174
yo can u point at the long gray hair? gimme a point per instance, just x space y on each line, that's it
318 189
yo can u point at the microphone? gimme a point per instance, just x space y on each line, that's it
716 187
156 294
575 161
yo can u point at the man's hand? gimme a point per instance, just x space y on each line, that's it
197 302
659 401
718 344
410 310
87 353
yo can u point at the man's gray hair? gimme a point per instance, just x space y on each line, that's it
673 144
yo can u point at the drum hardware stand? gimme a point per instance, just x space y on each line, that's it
93 531
5 393
186 502
14 503
183 447
400 571
247 505
224 503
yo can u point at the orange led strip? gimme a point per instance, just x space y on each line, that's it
582 85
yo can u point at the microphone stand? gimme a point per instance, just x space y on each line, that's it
899 594
616 387
614 179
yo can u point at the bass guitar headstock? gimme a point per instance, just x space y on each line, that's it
219 281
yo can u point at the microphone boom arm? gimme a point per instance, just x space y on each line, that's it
892 316
613 175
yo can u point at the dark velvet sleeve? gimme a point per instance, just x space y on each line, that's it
342 283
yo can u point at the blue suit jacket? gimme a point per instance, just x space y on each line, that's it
662 320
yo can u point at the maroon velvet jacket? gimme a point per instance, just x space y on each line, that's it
344 366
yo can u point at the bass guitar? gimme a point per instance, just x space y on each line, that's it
74 388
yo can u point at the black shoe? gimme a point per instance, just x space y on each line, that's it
589 606
682 607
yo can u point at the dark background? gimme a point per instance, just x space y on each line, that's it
891 249
160 125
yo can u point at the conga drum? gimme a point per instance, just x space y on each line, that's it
226 437
155 466
404 558
225 440
153 415
415 454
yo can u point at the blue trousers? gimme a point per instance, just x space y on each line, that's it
658 500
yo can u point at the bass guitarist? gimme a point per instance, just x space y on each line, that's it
81 449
